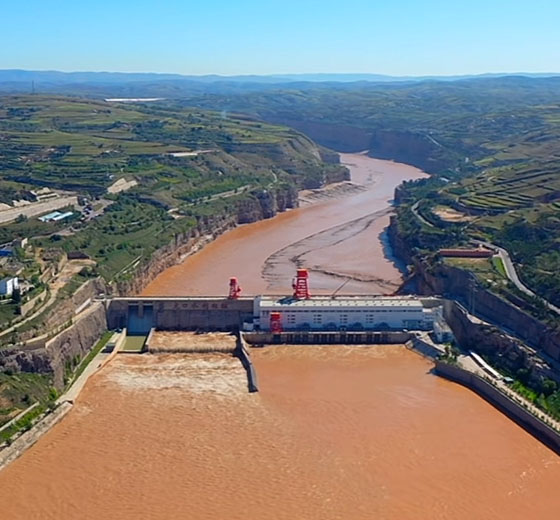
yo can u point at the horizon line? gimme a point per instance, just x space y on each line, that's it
281 74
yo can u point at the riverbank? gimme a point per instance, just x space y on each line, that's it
107 348
512 409
338 432
336 238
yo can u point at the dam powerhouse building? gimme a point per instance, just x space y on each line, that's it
342 313
272 316
301 312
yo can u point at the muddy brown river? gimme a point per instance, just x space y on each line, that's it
338 432
339 239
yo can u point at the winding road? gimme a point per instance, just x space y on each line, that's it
512 273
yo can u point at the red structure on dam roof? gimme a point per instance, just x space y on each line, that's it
234 288
301 285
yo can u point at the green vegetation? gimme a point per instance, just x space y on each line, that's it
498 264
19 391
493 145
489 271
546 397
24 423
76 371
85 146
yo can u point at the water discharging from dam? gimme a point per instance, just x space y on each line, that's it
335 432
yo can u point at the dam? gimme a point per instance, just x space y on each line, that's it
335 431
341 319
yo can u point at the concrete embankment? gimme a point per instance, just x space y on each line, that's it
502 402
242 352
29 438
424 347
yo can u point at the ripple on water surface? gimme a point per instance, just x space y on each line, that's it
336 432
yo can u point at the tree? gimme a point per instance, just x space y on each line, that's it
549 386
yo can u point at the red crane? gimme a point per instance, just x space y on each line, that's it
301 285
234 289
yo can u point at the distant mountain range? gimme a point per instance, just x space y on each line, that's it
106 78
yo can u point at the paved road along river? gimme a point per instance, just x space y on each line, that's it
335 433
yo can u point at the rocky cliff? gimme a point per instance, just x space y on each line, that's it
52 358
413 148
266 203
59 314
504 350
434 278
257 205
460 284
343 138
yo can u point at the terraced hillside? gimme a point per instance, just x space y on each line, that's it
437 126
492 144
86 145
145 173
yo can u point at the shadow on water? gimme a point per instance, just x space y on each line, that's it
389 254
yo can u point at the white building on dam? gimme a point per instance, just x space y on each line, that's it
352 313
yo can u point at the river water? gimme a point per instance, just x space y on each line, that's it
338 432
338 239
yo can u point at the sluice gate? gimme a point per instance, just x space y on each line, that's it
327 338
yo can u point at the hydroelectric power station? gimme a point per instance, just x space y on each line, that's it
298 318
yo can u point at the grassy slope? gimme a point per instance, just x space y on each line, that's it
86 145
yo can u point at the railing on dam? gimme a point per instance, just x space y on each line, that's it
327 338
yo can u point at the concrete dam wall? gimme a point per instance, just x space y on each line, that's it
140 315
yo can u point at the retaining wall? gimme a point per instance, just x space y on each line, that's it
502 402
30 305
29 438
243 354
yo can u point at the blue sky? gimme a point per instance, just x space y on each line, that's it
400 37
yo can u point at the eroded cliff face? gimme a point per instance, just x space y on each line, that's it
417 149
64 310
258 205
504 350
420 150
172 253
343 138
73 343
439 279
262 204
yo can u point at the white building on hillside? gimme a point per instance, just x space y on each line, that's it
343 313
8 285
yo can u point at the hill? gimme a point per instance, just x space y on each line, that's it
155 169
493 145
